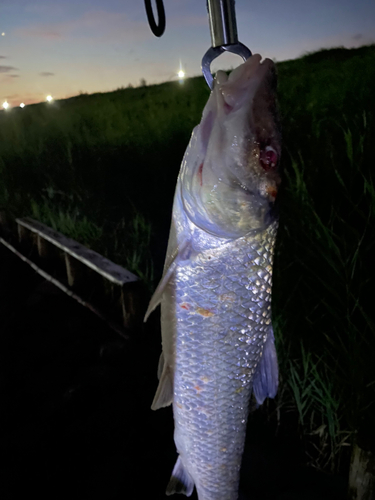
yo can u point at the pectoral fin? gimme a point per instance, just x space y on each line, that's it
181 481
266 379
180 253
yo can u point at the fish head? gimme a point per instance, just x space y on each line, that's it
231 175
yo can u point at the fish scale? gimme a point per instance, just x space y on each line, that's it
212 385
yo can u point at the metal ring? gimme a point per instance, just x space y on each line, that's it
157 29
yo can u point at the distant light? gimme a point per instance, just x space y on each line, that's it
22 105
181 74
3 34
49 98
5 105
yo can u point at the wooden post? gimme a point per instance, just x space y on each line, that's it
362 474
22 232
129 298
71 269
42 246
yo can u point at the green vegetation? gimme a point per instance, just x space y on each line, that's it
102 169
322 294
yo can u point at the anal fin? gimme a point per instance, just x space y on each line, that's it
181 481
164 392
266 379
161 365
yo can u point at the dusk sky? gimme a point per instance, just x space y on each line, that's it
63 48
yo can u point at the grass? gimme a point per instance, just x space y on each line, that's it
317 400
102 169
325 250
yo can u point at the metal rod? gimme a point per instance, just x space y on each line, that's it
223 25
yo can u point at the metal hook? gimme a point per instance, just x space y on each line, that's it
157 29
223 27
212 53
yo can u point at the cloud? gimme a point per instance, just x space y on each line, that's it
44 32
98 26
6 69
358 37
14 76
2 57
46 73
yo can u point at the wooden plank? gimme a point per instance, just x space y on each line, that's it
97 262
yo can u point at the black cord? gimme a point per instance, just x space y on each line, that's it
157 29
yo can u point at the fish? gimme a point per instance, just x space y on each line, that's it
218 344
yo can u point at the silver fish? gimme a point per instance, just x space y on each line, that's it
215 293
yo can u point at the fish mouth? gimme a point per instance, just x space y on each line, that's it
266 191
251 88
243 82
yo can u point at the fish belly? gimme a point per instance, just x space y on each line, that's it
221 300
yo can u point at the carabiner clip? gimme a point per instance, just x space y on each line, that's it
224 37
157 29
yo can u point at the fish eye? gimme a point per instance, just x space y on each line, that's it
268 158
